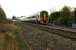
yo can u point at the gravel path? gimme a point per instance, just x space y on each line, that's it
37 39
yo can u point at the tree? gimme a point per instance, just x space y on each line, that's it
60 20
66 14
54 16
2 14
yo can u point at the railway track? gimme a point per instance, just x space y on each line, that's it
61 31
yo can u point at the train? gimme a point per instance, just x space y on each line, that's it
42 18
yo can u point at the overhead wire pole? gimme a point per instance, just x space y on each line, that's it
73 18
73 21
74 15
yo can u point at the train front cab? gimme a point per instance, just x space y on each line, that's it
44 17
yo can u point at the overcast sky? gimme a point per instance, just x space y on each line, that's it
29 7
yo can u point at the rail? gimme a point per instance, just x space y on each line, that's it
61 31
